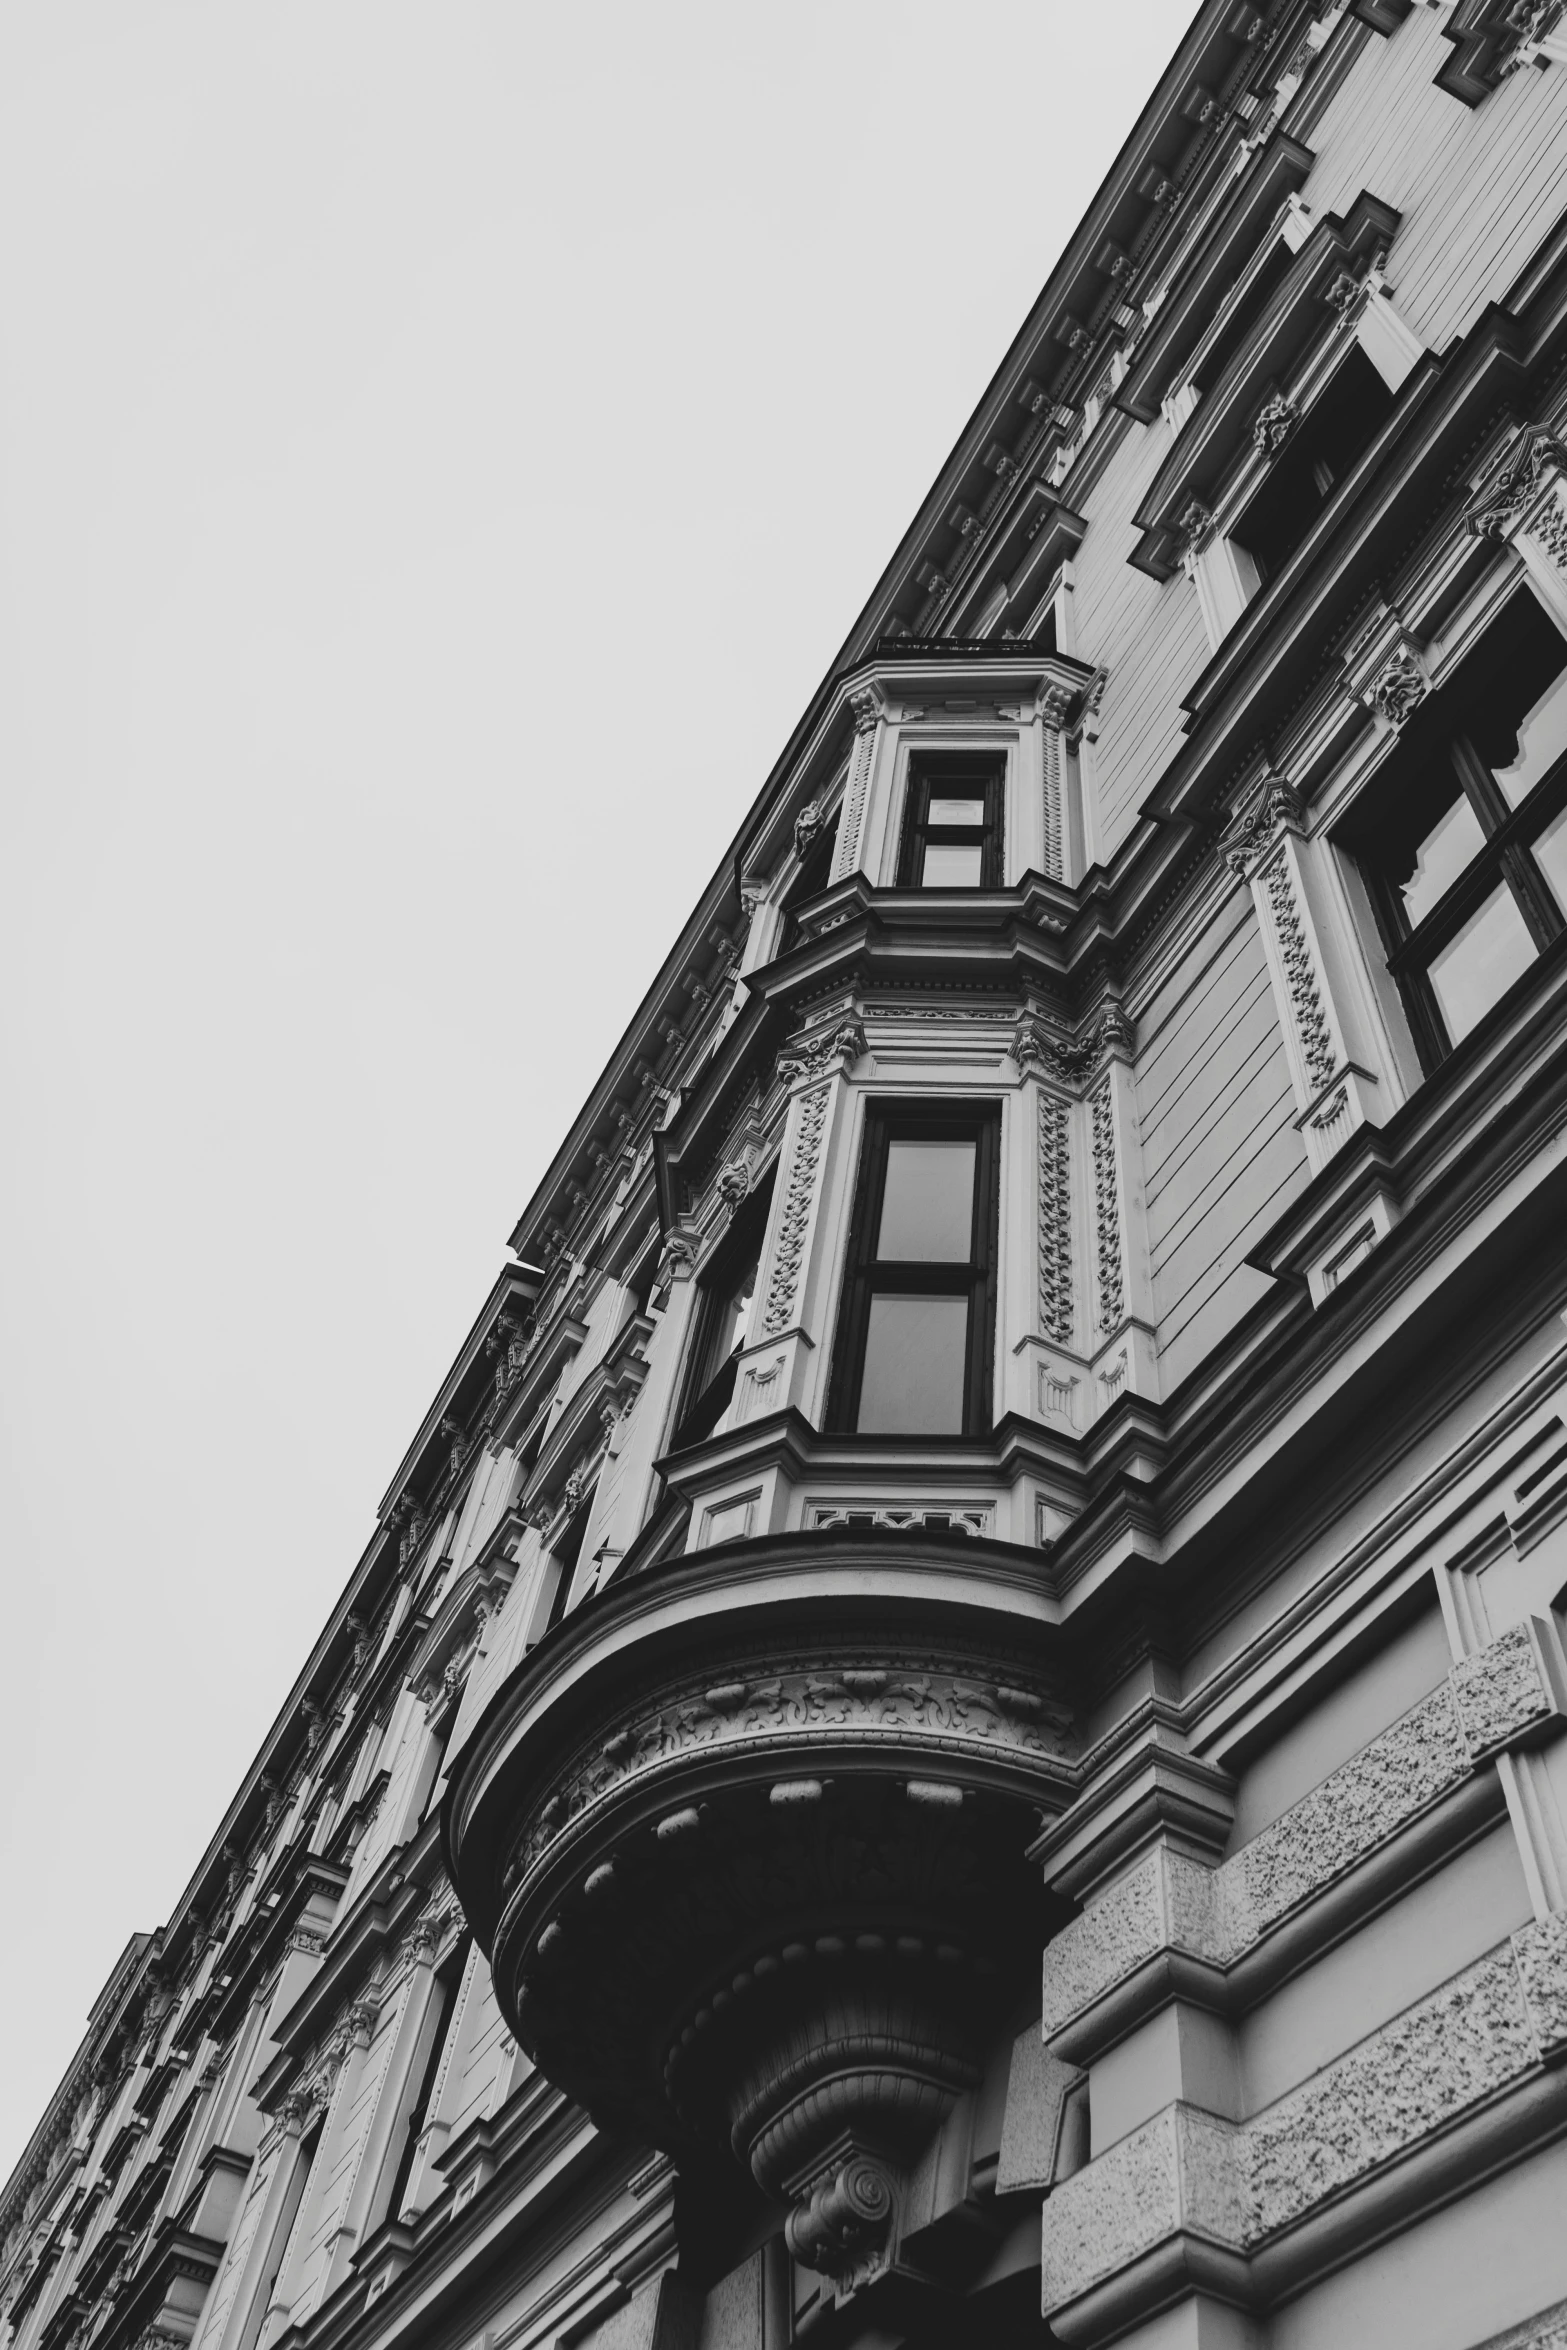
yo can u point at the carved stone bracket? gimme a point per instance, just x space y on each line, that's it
1521 499
1274 422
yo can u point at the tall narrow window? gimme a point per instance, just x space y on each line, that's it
916 1325
1463 839
952 823
722 1317
443 1998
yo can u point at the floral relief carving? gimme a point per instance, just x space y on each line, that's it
1399 687
1534 456
1107 1212
866 711
887 1701
1307 1010
1276 420
794 1221
1055 1219
1053 853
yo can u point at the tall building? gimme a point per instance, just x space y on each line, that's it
950 1733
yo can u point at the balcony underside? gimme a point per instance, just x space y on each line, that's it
746 1841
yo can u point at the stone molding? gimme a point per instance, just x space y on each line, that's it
1238 2185
793 1701
1503 1696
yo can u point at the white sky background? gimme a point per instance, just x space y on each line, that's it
441 449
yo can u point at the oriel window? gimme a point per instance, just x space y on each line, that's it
1464 839
917 1320
952 823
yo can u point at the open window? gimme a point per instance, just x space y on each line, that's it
917 1320
952 822
813 877
1463 839
1321 451
721 1319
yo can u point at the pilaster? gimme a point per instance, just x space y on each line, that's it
1330 1056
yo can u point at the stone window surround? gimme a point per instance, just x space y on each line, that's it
1352 1055
1335 273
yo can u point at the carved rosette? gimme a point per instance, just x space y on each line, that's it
763 1906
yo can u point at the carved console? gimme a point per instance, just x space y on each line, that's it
746 1846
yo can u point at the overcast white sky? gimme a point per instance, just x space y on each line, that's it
441 448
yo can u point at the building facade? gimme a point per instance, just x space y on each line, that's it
951 1730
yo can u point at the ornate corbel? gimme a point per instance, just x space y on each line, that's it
822 1053
1273 808
807 827
1521 498
1275 420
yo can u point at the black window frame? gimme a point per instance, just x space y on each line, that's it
1503 860
953 775
703 1401
865 1276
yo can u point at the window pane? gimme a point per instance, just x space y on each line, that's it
957 812
1542 738
728 1327
953 867
1447 848
1550 851
927 1205
1478 967
913 1379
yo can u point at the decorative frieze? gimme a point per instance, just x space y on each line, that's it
1275 421
879 1701
1503 1696
1056 1314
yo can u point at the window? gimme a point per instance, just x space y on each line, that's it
952 824
1321 451
813 877
427 2068
1464 841
913 1356
720 1321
